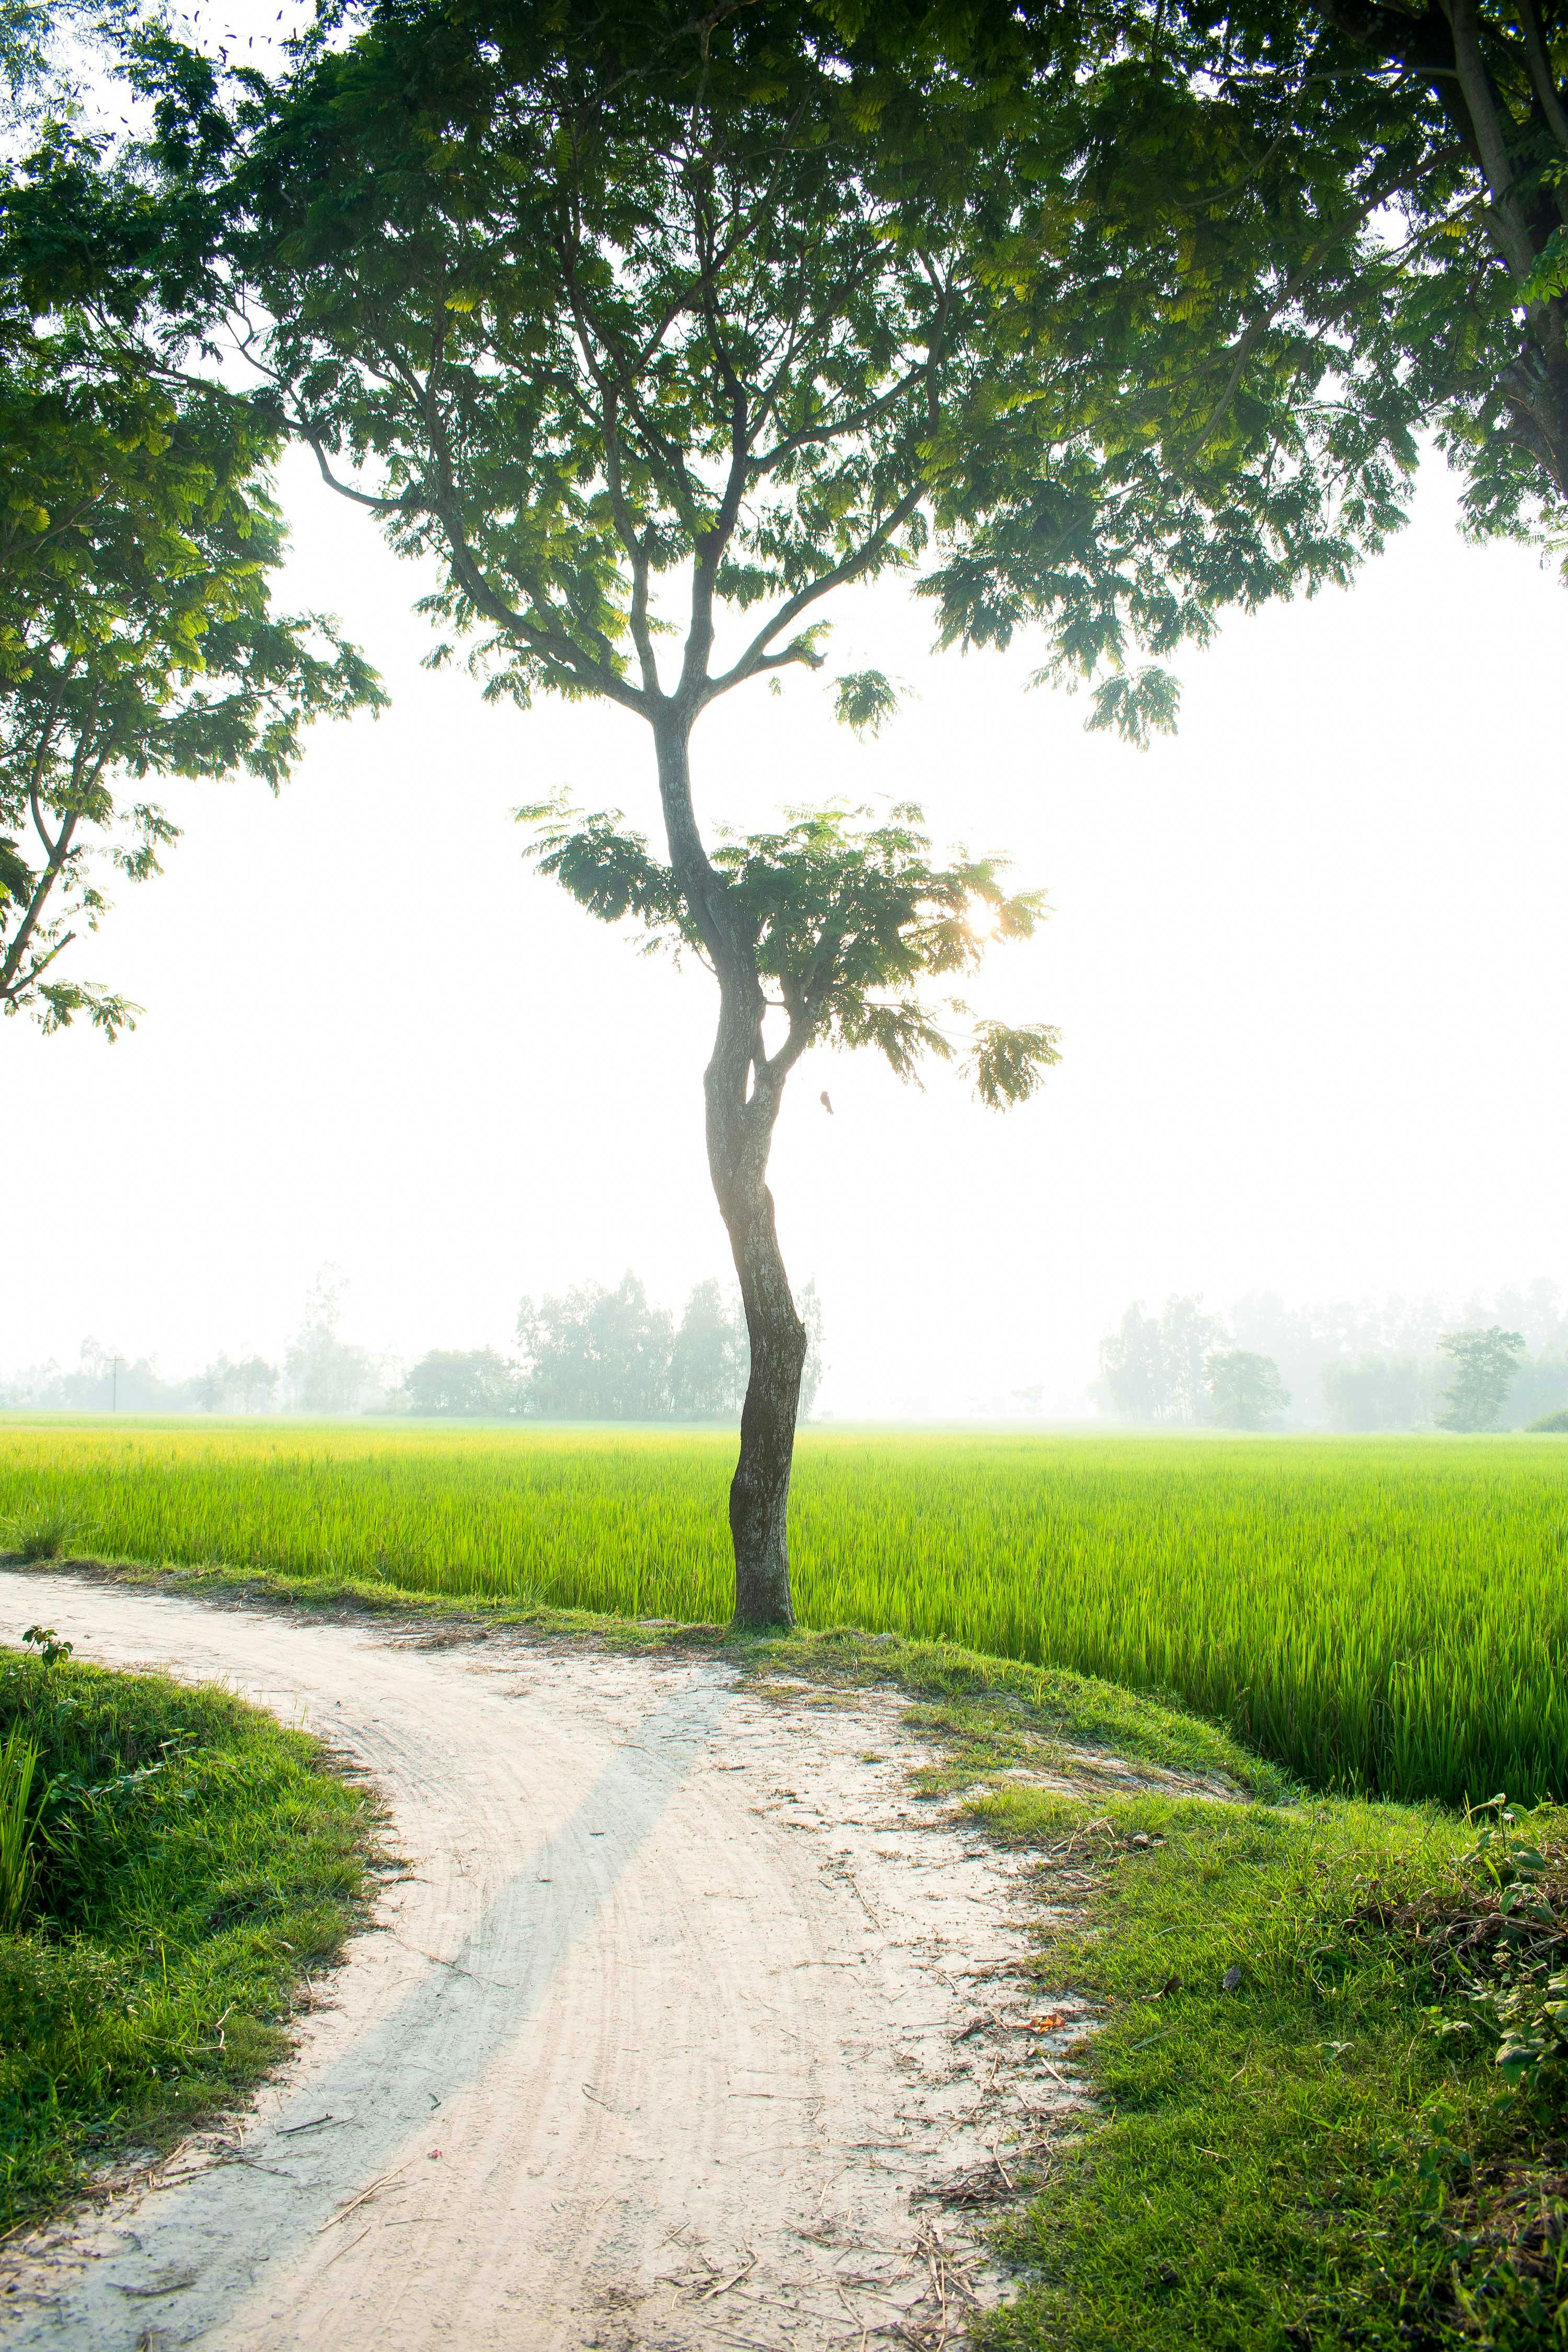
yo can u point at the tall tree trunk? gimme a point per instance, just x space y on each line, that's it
740 1134
744 1093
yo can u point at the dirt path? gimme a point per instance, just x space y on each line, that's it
674 2036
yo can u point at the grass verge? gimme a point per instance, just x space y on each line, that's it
194 1858
1303 2138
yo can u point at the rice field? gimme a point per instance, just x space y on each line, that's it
1389 1614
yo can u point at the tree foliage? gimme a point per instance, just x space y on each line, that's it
844 918
321 1372
246 1385
1245 1389
1154 1368
1485 1366
1367 209
138 539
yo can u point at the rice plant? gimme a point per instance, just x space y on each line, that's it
18 1825
1381 1613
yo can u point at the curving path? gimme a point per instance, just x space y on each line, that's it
675 2030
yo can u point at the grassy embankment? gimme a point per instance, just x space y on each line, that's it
1303 2136
1389 1614
192 1859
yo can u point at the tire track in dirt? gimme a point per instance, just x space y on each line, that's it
683 2012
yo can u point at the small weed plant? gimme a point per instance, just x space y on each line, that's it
1510 1956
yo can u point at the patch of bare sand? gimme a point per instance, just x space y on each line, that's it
687 2027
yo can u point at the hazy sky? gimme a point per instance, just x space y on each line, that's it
1307 959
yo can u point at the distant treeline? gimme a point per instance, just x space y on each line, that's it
1493 1364
591 1354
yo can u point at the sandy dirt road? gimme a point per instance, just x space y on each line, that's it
681 2023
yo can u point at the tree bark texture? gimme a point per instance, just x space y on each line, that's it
743 1090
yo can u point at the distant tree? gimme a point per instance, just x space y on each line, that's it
1486 1364
321 1372
710 1358
1550 1425
1245 1389
1375 1391
1540 1387
247 1386
107 1380
1186 1336
595 1354
467 1382
1156 1370
138 543
1131 1366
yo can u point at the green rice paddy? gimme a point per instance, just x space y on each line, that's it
1385 1614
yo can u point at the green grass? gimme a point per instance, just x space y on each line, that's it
195 1857
1301 2160
1387 1614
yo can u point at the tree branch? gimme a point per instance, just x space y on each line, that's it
756 657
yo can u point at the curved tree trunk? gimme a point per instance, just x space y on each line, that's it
740 1134
744 1091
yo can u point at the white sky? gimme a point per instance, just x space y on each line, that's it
1309 959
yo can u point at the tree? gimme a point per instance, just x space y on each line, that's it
710 1358
648 328
1157 1370
1245 1389
1484 1364
814 1368
1131 1365
321 1372
137 639
464 1382
597 1355
645 326
247 1386
1375 1391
